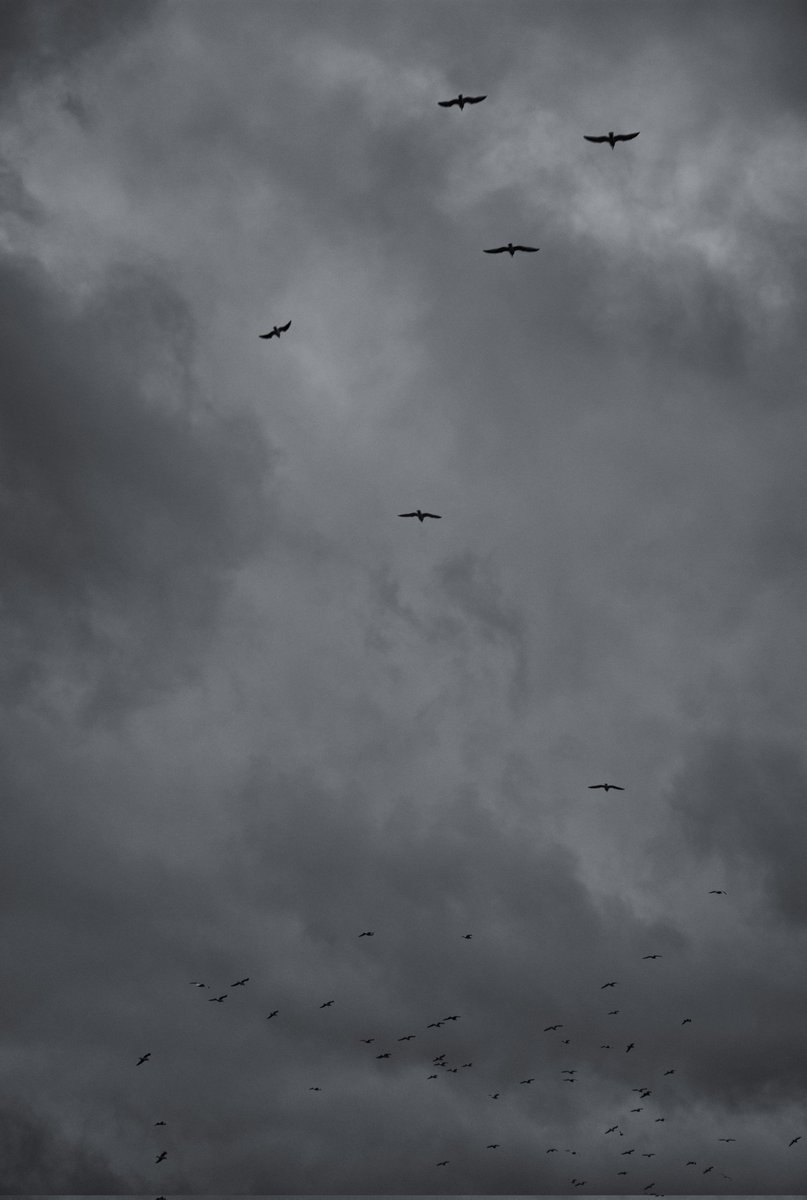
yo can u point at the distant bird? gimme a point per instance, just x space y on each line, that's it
613 1129
368 933
687 1021
431 1076
795 1139
161 1156
644 1094
470 1064
717 892
444 1163
421 516
614 1012
493 1145
708 1169
565 1042
606 787
727 1139
552 1150
670 1072
159 1122
613 983
606 1046
649 1185
315 1089
652 1154
386 1055
452 1070
622 1172
494 1095
659 1119
568 1081
629 1046
691 1163
275 331
612 138
551 1027
569 1071
367 1040
240 982
327 1004
652 956
456 1017
193 983
530 1080
144 1058
461 101
467 936
511 249
637 1110
218 999
407 1037
435 1025
273 1013
624 1152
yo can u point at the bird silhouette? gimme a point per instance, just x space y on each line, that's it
727 1139
435 1025
708 1169
421 516
467 936
629 1046
670 1072
470 1064
691 1163
368 933
193 983
273 1013
144 1058
637 1110
163 1154
612 138
650 1154
407 1037
315 1089
795 1139
456 1017
659 1119
649 1185
717 892
530 1080
367 1040
633 1151
622 1172
218 999
613 983
240 982
551 1027
327 1004
569 1071
613 1129
552 1150
461 101
159 1122
444 1163
385 1055
652 956
687 1021
614 1012
493 1145
275 331
431 1076
494 1095
511 249
606 1046
605 787
565 1042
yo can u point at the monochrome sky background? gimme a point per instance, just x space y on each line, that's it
248 713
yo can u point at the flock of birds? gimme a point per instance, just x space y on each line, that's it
439 1061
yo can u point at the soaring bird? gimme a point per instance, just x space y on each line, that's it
569 1071
495 1096
717 892
511 249
240 982
691 1163
624 1152
659 1119
456 1017
163 1154
727 1139
614 1012
407 1037
467 936
275 331
622 1172
613 1129
193 983
605 787
650 1154
218 999
273 1013
629 1046
144 1058
326 1004
315 1089
795 1139
652 956
444 1163
421 516
613 983
461 101
551 1027
708 1169
552 1150
368 933
367 1040
530 1080
159 1122
435 1025
470 1064
687 1021
606 1046
612 138
493 1145
386 1055
636 1110
670 1072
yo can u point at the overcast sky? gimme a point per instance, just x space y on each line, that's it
248 713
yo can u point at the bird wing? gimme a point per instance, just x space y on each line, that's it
592 787
626 137
447 103
267 335
414 514
528 249
594 139
615 787
283 328
436 516
497 250
474 99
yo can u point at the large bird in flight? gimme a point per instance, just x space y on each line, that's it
217 999
511 249
161 1156
606 787
276 331
612 138
144 1058
461 101
240 982
421 516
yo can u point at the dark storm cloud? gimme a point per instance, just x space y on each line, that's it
740 804
126 500
37 1160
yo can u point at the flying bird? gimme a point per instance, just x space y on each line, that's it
691 1163
606 787
624 1152
795 1139
511 249
670 1072
456 1017
444 1163
461 101
407 1037
467 936
717 892
273 1014
637 1110
659 1119
687 1021
368 933
218 999
530 1080
159 1122
315 1089
613 1129
613 983
708 1169
144 1058
727 1139
614 1012
367 1040
651 1154
493 1145
605 1047
163 1154
494 1095
470 1064
386 1055
565 1042
629 1046
275 331
551 1027
612 138
327 1004
652 956
435 1025
240 982
552 1150
431 1076
193 983
421 516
